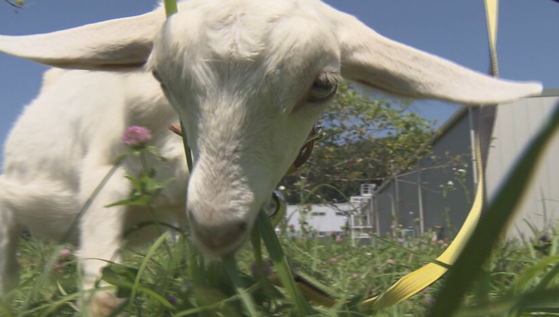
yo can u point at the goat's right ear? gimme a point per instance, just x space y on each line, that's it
376 61
111 44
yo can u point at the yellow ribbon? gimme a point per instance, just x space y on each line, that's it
417 280
492 14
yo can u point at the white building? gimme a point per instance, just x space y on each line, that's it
335 219
425 199
324 219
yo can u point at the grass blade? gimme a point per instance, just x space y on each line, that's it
280 263
142 269
231 267
493 223
547 278
170 7
524 279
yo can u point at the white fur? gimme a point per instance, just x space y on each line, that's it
238 74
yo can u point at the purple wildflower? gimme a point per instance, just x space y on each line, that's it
333 261
65 253
172 300
339 239
390 261
136 135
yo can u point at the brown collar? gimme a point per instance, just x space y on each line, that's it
316 134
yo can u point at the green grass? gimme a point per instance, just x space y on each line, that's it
515 273
491 277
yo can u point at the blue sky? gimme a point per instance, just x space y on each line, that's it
528 41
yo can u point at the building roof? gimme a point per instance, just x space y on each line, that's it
454 119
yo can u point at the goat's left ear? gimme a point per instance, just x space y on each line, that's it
376 61
111 44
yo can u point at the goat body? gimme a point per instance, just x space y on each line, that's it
248 78
61 148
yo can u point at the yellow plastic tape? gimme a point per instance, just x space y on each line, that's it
417 280
492 14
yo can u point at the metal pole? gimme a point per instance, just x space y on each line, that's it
472 143
420 198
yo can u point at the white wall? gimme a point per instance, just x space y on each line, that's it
515 125
323 218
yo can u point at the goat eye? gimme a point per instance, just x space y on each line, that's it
321 91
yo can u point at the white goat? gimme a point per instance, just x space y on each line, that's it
247 77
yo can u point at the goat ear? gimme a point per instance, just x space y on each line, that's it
116 43
376 61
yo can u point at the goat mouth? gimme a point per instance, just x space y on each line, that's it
218 240
219 244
